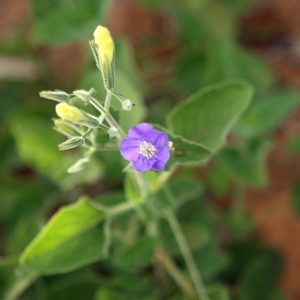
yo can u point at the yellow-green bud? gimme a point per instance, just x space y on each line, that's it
105 45
69 113
62 127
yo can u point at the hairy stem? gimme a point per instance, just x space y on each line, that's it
166 261
171 218
187 254
107 101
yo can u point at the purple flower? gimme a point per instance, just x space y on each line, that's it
147 148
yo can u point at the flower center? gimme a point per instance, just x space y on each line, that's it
147 150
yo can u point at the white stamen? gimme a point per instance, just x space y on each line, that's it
147 150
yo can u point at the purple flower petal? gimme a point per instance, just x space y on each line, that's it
161 140
146 148
143 164
164 154
129 148
159 166
139 130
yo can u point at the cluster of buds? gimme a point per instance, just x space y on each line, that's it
74 118
75 122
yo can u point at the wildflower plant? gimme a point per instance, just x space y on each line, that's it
195 130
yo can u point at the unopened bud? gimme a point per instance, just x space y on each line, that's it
64 128
103 48
56 95
71 143
127 105
69 113
171 146
83 95
105 45
113 132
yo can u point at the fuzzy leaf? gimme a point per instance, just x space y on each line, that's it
206 117
72 238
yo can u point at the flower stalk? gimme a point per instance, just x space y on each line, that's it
145 147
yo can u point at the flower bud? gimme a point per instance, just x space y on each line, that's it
64 128
71 143
171 146
105 48
113 132
105 45
69 113
56 95
127 105
83 95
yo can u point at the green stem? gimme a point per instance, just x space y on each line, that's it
187 254
171 218
107 101
121 208
166 261
17 290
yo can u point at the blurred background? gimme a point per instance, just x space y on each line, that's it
166 50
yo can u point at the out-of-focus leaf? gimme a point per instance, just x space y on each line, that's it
29 128
206 117
132 190
246 165
29 132
239 224
260 278
211 263
218 180
71 239
218 292
77 285
223 59
197 233
67 20
177 193
136 256
266 114
22 232
127 285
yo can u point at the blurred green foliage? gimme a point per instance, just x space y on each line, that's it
34 182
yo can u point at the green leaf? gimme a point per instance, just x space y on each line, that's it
260 277
81 284
186 152
266 114
136 256
29 129
246 165
218 292
206 117
224 59
239 224
67 20
183 188
211 263
72 238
